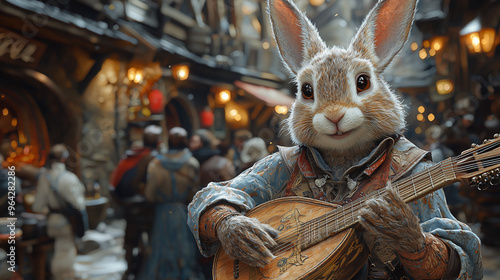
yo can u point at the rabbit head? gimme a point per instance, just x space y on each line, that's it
343 103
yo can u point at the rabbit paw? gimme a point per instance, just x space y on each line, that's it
248 240
390 220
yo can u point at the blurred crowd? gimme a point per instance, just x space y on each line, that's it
168 177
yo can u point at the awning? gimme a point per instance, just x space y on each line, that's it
270 96
73 21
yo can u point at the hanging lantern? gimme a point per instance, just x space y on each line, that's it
155 101
207 118
478 38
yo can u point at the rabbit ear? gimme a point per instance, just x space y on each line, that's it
297 38
385 30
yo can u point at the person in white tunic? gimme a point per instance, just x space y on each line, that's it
71 190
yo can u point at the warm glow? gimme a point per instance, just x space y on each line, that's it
418 130
482 41
487 39
437 43
422 54
432 52
138 76
414 46
421 109
135 75
265 45
420 117
316 2
444 86
5 111
431 117
236 116
131 73
426 44
224 96
180 72
475 42
281 109
13 144
13 122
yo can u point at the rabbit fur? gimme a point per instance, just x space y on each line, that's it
390 219
246 239
340 121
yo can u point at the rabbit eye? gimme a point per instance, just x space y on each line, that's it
362 83
307 91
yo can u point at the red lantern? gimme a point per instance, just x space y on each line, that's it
207 118
155 101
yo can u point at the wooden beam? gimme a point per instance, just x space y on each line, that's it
178 16
175 31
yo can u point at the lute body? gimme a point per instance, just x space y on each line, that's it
333 258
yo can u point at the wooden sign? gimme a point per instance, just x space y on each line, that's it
17 49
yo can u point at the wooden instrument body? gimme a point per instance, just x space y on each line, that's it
339 256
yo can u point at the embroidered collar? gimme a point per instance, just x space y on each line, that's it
310 157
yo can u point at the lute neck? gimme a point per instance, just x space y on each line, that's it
410 189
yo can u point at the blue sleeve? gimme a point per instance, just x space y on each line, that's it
436 218
260 183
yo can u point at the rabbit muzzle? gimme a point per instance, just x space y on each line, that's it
340 124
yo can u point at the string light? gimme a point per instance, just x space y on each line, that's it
224 96
431 117
281 109
180 72
414 46
422 54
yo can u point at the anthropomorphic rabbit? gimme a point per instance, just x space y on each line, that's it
347 124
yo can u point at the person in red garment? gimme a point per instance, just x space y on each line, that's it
127 188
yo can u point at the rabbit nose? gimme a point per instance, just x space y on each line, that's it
335 120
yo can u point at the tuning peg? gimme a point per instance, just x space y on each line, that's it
482 186
486 141
497 135
474 181
486 179
495 181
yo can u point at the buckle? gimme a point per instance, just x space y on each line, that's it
390 265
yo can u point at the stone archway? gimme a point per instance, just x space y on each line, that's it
46 111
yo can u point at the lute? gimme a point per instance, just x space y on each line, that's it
319 240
